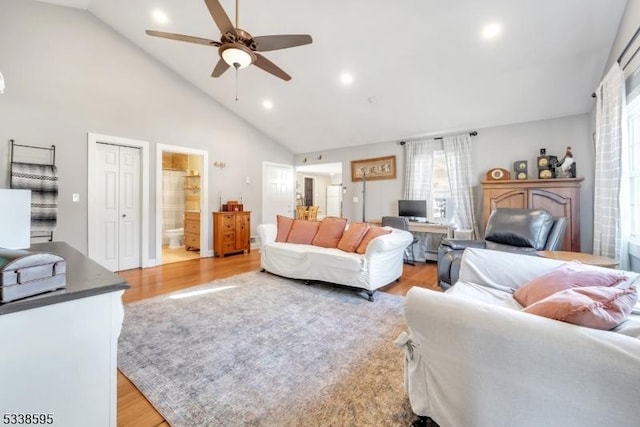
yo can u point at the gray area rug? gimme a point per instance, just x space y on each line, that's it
260 350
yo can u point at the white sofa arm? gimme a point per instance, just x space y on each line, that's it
473 363
394 242
503 270
267 233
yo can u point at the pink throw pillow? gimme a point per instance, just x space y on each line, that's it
352 237
373 232
303 231
566 276
329 232
284 227
596 307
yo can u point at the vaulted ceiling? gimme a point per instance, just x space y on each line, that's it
419 67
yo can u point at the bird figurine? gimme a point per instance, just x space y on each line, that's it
567 161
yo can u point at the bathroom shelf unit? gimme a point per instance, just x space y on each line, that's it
192 230
192 192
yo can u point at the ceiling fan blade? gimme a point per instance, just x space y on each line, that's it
283 41
220 17
183 38
221 67
270 67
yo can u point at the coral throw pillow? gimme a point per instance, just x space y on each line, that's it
566 276
352 236
302 231
372 233
592 306
329 232
284 227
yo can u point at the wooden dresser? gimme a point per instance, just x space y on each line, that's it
231 232
192 230
559 196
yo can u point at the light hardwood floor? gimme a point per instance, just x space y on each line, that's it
133 408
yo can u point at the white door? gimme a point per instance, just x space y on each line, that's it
277 191
129 203
334 203
117 173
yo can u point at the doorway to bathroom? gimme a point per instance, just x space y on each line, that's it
182 189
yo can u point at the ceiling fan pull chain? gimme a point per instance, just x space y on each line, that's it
236 82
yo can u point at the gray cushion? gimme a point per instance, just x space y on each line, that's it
519 227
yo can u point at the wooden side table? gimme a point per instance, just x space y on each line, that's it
589 259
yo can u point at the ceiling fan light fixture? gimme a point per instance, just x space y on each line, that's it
237 57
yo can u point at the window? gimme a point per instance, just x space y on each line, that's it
441 205
428 179
633 166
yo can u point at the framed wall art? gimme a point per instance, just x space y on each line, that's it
372 169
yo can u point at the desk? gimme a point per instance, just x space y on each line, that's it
588 259
423 227
428 244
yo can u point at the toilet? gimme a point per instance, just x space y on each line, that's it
175 236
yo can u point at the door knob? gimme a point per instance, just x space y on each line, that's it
124 215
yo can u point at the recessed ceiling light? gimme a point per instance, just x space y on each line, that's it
268 105
491 31
160 17
346 78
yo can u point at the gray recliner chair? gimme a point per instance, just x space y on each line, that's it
511 230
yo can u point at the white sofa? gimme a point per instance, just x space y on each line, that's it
380 265
473 359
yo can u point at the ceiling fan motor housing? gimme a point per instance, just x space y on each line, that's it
242 37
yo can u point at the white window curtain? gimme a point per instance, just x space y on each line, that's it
419 169
609 139
457 150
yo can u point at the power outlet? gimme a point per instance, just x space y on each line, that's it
76 197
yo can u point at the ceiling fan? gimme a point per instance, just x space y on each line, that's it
237 48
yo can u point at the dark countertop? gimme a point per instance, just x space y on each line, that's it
85 278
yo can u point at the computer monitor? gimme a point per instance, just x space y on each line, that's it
414 209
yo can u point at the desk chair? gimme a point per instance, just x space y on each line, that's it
402 223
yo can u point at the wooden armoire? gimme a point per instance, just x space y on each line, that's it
559 196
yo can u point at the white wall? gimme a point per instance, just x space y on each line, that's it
628 26
493 147
67 74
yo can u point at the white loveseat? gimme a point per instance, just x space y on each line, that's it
474 359
380 265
